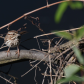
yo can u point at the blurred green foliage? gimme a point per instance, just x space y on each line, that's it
60 11
71 70
78 55
62 7
76 35
76 5
64 34
71 78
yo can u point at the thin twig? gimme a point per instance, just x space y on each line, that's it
44 75
64 52
1 37
38 43
52 75
34 66
35 76
39 27
74 82
56 32
6 80
33 61
50 62
59 41
3 47
50 34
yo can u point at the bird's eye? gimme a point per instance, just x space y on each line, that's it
13 34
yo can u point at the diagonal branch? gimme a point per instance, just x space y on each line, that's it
6 80
35 11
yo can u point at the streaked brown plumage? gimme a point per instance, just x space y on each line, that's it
12 39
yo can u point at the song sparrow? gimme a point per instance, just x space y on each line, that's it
12 39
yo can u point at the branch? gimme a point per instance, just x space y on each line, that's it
35 11
24 54
36 54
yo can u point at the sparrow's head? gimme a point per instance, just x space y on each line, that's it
12 34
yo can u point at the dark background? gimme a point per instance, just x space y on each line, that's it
12 9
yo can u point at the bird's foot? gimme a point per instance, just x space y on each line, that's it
18 52
8 51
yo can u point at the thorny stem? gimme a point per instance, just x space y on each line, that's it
35 11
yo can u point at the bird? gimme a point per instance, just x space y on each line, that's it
12 39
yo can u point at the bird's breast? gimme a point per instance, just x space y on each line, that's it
12 43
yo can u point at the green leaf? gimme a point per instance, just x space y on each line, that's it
72 78
64 34
78 55
80 33
72 5
71 69
60 11
79 5
76 5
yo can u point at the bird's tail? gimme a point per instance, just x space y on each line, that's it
23 32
